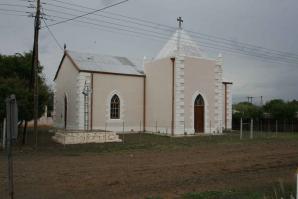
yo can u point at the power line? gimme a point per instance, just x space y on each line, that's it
19 15
116 14
234 44
244 50
51 33
89 13
13 5
263 57
109 17
221 39
16 11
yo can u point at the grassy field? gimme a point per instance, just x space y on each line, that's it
158 167
148 141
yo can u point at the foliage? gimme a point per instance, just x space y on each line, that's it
278 109
15 74
275 109
247 110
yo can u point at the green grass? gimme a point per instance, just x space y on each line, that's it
223 195
146 141
275 191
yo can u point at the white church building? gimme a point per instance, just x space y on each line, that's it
181 91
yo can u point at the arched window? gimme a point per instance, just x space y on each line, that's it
115 107
199 101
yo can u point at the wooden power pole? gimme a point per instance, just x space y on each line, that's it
35 70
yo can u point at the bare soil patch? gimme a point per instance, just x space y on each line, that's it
139 173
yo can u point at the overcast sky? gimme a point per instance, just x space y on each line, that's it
268 23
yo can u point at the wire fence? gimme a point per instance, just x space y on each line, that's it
267 125
254 128
250 129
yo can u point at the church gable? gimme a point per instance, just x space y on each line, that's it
180 43
66 61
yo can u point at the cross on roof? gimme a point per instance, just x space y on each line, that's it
180 20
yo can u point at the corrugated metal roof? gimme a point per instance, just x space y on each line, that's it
107 63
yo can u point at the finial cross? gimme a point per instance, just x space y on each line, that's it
180 20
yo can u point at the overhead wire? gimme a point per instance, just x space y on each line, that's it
232 42
163 37
52 34
213 41
158 34
193 34
89 13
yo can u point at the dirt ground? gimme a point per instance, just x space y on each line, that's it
142 173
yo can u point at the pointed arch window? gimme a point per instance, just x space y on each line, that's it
199 101
115 107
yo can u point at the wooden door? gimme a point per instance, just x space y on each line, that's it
199 114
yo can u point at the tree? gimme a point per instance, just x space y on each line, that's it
294 106
246 110
280 110
15 74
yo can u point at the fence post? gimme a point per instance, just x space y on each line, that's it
241 129
105 132
4 134
210 126
123 126
156 126
140 131
261 127
251 128
297 184
64 138
11 135
276 128
123 131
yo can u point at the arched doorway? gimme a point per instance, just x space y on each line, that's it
199 114
65 111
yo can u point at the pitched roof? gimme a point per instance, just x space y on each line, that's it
106 63
180 44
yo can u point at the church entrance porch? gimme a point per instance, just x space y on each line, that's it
199 114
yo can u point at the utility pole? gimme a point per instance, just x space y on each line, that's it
35 70
261 100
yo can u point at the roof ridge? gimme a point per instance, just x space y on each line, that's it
106 63
180 43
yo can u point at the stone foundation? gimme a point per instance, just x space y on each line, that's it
82 137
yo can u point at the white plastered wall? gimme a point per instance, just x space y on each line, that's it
66 85
130 91
159 95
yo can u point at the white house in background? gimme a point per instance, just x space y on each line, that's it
179 92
